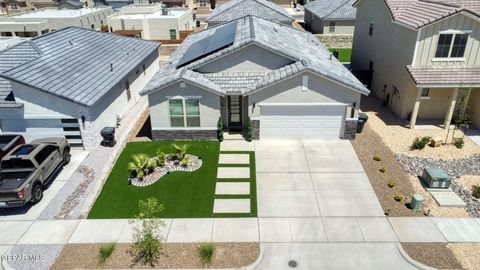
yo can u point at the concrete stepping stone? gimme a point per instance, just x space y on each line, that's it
234 159
236 145
232 188
233 172
231 206
447 199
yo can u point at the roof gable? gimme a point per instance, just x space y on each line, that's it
235 9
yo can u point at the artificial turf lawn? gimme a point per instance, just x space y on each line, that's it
344 54
183 194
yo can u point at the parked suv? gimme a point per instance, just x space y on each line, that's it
8 142
28 168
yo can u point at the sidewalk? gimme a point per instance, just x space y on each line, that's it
265 230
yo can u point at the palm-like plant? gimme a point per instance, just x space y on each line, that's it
138 165
181 150
160 157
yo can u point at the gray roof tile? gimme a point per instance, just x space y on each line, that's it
461 76
333 9
276 37
74 63
235 9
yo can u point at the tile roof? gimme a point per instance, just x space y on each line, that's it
333 9
432 76
74 63
278 38
419 13
235 9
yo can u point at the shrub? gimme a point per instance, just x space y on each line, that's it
184 162
249 130
181 150
377 157
206 251
220 129
420 143
476 191
391 184
105 251
160 157
383 169
459 142
398 197
139 164
146 232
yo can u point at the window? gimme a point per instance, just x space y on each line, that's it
184 112
13 6
425 92
370 28
44 31
6 34
173 34
451 45
127 89
331 29
44 154
92 26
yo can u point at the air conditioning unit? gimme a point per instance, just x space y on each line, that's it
436 178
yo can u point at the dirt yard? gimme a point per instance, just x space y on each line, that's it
399 138
467 254
437 255
174 256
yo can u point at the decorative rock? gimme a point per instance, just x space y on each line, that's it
194 163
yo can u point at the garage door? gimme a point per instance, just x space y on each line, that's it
323 121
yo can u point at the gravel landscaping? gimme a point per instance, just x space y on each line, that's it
174 256
367 145
467 254
399 138
436 255
454 168
33 256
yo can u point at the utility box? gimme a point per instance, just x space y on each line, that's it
436 178
417 202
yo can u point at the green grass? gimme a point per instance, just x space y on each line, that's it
183 194
344 54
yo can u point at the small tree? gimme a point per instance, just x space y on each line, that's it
139 164
148 241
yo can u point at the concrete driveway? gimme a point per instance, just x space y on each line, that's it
32 212
312 178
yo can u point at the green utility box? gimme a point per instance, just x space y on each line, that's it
436 178
417 202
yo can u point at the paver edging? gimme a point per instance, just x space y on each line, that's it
411 261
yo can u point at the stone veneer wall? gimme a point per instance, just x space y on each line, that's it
350 131
184 134
336 41
256 129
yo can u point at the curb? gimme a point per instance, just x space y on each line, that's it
411 261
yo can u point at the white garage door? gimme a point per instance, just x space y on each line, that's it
323 121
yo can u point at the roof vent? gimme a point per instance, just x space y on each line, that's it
111 66
71 42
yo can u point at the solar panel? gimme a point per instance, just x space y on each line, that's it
223 36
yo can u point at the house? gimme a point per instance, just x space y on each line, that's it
153 22
330 17
37 22
71 83
14 6
419 56
70 4
235 9
253 69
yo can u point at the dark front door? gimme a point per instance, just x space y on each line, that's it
234 112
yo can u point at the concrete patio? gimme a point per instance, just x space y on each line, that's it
312 178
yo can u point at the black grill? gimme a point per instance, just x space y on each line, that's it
108 135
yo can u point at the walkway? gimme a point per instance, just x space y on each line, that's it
265 230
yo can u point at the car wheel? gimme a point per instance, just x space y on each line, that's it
66 156
37 193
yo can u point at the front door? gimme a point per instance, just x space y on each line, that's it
234 108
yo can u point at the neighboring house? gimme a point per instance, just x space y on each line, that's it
14 6
38 22
153 22
417 55
70 4
44 3
282 79
235 9
330 17
71 83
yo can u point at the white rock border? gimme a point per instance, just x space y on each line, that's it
194 163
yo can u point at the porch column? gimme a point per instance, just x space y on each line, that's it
416 106
451 108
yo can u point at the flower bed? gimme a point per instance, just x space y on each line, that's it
171 165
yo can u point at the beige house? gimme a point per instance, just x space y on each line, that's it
418 55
